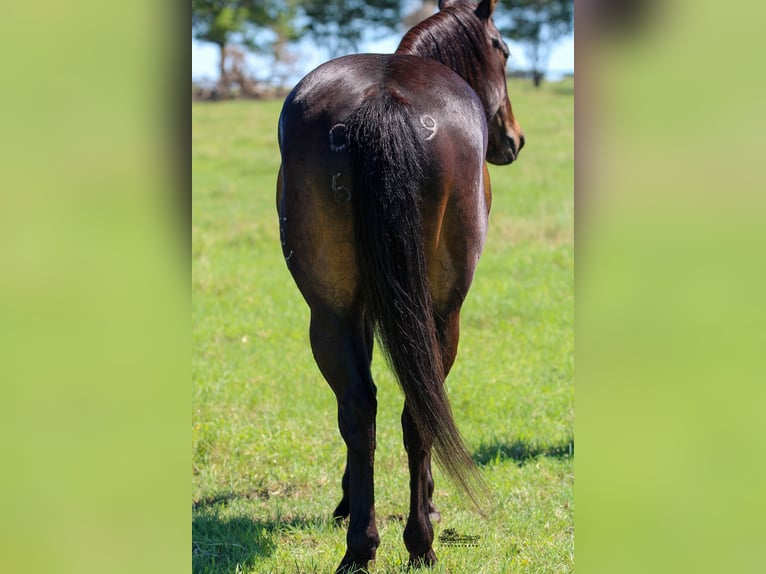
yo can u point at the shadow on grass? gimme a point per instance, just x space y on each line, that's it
521 451
229 544
224 498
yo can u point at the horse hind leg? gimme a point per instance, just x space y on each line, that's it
342 510
418 533
342 353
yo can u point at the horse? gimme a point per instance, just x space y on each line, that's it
383 198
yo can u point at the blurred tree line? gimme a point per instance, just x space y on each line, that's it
272 28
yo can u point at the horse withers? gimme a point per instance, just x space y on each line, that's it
383 197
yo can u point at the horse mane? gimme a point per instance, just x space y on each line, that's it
453 37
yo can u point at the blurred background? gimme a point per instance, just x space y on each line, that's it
259 49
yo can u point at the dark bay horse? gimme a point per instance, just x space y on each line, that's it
383 197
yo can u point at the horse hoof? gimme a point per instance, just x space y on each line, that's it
435 516
428 559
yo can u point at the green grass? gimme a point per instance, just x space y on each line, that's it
267 457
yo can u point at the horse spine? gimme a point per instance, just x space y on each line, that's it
387 154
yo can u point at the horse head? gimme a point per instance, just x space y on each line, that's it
489 81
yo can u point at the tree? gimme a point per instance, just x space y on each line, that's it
226 22
339 25
426 8
537 25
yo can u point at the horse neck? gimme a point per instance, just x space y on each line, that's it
450 38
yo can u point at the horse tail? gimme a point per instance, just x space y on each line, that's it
388 159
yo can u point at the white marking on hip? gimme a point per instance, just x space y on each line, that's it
340 193
430 124
338 137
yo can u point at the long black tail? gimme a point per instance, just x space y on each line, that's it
388 156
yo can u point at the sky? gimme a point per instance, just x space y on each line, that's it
205 57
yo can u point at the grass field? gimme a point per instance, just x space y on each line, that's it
267 457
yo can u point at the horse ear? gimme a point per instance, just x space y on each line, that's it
444 3
485 8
